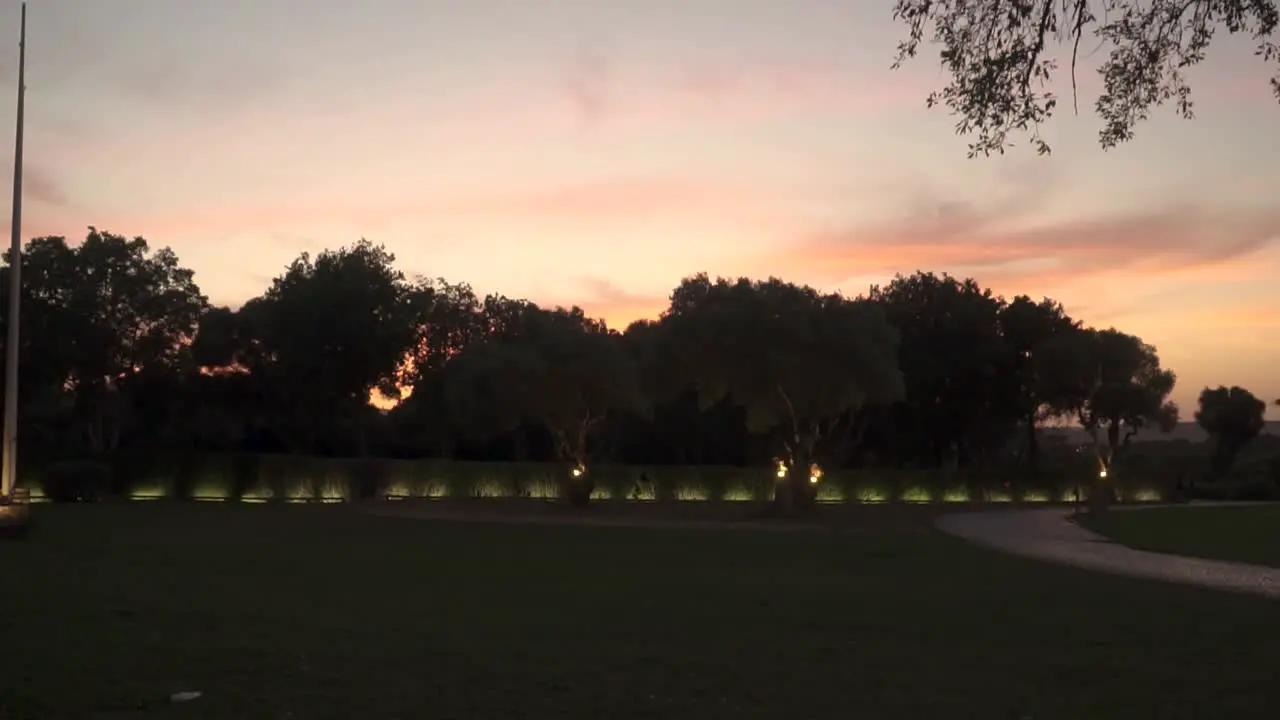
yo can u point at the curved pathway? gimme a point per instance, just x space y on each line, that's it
1050 535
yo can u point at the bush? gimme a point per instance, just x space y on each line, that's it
305 479
1256 491
77 481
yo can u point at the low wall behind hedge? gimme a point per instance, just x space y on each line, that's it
293 478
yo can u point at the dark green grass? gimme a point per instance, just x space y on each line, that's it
315 612
1249 533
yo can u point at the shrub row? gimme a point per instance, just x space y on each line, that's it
293 478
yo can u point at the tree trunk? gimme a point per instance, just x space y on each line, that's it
520 445
794 493
783 498
1101 489
1100 494
1033 445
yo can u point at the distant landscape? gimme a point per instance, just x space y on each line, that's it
1188 431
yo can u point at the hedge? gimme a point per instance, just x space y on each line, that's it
263 478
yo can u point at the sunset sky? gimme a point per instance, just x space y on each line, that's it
594 152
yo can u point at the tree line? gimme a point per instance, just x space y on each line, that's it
120 350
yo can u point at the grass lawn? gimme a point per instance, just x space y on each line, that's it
322 612
1250 533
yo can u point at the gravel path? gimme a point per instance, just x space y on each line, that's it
1050 535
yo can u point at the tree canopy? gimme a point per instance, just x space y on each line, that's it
1000 56
1233 417
815 360
343 354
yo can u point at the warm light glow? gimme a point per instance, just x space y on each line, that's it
149 492
1102 473
782 469
815 473
579 471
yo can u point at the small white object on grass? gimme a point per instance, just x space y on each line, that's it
184 696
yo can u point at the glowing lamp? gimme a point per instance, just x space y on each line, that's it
1102 473
578 471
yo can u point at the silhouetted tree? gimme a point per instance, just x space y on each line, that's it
327 333
1233 417
98 317
556 368
1115 386
122 357
1000 56
1027 327
798 362
952 356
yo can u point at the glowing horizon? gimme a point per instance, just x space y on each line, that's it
598 154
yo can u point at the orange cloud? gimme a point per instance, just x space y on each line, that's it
623 199
616 306
1014 252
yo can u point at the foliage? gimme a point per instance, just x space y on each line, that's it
1233 417
97 315
293 478
559 369
953 350
930 376
328 332
1114 385
1027 328
815 359
77 481
999 56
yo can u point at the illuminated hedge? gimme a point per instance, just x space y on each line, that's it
285 478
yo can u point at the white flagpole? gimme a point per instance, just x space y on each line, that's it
9 474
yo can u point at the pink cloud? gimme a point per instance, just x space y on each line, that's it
1019 252
610 302
595 94
608 201
621 198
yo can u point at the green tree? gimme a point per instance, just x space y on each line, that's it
98 316
1114 385
1233 417
327 333
557 368
1027 327
226 393
450 321
1000 57
959 398
797 361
